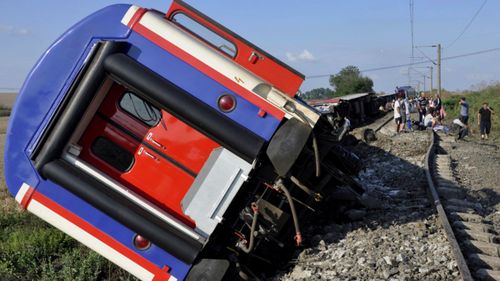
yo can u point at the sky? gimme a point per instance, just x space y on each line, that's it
317 37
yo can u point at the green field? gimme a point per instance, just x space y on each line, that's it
30 249
490 94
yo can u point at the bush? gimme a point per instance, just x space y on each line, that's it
489 94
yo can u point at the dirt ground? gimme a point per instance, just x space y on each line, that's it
476 166
7 203
7 99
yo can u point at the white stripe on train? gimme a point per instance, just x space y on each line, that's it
156 23
87 239
22 192
129 15
84 237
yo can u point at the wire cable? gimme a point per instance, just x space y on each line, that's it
427 57
468 25
409 64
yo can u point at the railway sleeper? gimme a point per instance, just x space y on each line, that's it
488 275
445 177
446 183
478 235
411 207
465 203
443 169
474 226
484 261
443 158
469 217
490 249
445 173
415 201
449 184
454 208
450 192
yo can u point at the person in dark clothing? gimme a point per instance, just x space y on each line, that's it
422 104
484 120
437 103
464 111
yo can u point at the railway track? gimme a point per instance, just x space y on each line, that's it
474 240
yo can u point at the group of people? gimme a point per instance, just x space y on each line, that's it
431 113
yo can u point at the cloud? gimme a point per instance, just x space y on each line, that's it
12 30
305 55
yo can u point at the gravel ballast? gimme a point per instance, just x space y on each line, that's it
396 234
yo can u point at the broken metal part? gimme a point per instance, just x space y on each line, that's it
273 215
317 196
298 236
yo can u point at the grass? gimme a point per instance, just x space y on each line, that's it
489 94
31 249
5 111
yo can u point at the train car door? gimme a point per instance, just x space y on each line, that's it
146 149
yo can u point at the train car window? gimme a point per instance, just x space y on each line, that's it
140 109
205 34
112 154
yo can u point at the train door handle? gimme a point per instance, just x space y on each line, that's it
255 57
143 151
149 137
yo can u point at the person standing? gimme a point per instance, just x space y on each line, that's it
397 113
437 103
407 118
464 111
484 120
422 104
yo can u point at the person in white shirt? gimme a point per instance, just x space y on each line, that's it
397 113
428 119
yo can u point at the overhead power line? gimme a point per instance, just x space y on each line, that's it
427 57
468 25
415 63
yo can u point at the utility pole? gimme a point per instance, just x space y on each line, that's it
439 69
438 63
431 79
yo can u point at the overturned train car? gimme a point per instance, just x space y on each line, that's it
168 144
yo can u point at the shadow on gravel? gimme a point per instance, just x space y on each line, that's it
394 233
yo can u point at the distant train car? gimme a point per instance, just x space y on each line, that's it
408 91
168 144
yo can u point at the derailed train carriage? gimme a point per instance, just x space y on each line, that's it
170 145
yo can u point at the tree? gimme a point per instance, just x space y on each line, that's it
318 93
349 81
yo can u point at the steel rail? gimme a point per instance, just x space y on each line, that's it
461 263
